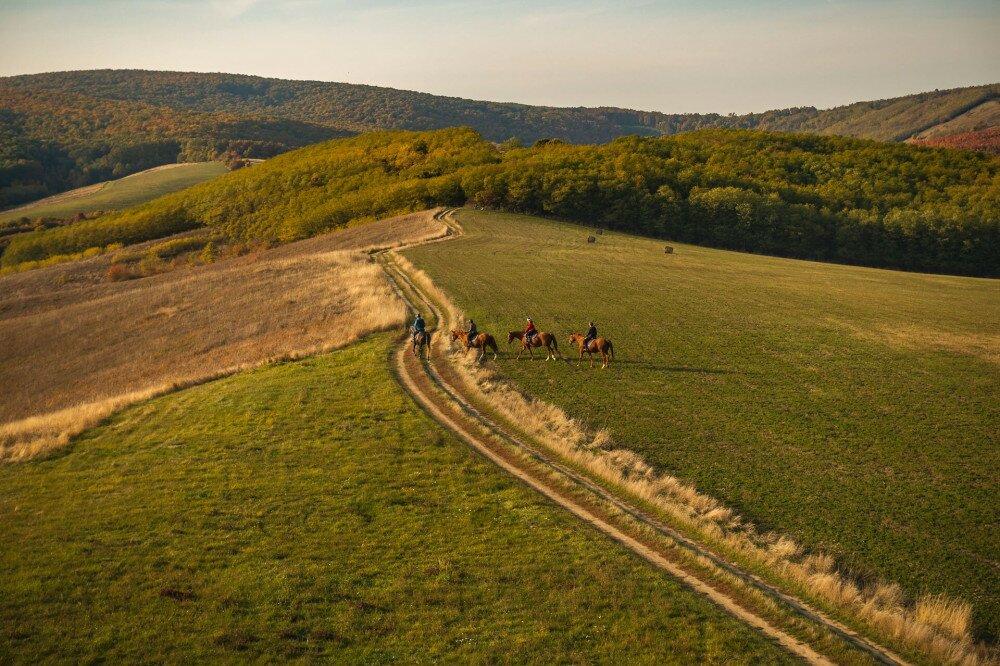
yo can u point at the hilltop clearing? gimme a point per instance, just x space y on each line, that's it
117 194
77 347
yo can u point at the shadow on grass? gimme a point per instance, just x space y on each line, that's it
635 364
669 368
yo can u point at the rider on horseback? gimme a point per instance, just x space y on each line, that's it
418 327
530 332
591 336
473 334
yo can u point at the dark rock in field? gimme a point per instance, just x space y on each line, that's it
177 595
238 640
326 635
668 250
591 239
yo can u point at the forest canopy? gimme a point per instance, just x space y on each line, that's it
794 195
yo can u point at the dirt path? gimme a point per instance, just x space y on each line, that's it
443 400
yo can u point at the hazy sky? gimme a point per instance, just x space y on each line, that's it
674 56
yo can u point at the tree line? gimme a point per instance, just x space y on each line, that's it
794 195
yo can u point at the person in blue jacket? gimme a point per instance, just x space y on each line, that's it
418 327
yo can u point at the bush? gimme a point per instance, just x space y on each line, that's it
208 254
119 272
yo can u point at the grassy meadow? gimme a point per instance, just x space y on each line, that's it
853 409
118 194
311 511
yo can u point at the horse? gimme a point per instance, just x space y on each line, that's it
483 341
601 345
421 340
548 340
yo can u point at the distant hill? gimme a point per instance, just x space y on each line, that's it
69 129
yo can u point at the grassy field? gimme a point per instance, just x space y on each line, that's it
853 409
77 345
310 510
118 194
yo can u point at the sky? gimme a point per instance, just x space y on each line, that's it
674 56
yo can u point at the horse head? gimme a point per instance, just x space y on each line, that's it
574 338
513 335
455 335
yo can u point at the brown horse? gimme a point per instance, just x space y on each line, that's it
483 341
421 340
541 339
600 345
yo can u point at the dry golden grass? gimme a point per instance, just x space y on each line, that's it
982 345
934 625
76 348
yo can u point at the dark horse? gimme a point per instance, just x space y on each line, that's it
600 345
483 342
421 340
541 339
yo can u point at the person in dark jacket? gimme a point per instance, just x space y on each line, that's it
591 335
473 334
418 326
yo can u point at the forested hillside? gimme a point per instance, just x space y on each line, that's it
52 141
67 129
796 195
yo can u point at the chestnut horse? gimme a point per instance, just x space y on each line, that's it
421 340
483 341
541 339
601 345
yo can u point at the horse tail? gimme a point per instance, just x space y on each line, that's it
555 342
492 344
611 349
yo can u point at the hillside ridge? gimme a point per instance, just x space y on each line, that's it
63 130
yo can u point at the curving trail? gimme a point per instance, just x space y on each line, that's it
439 392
